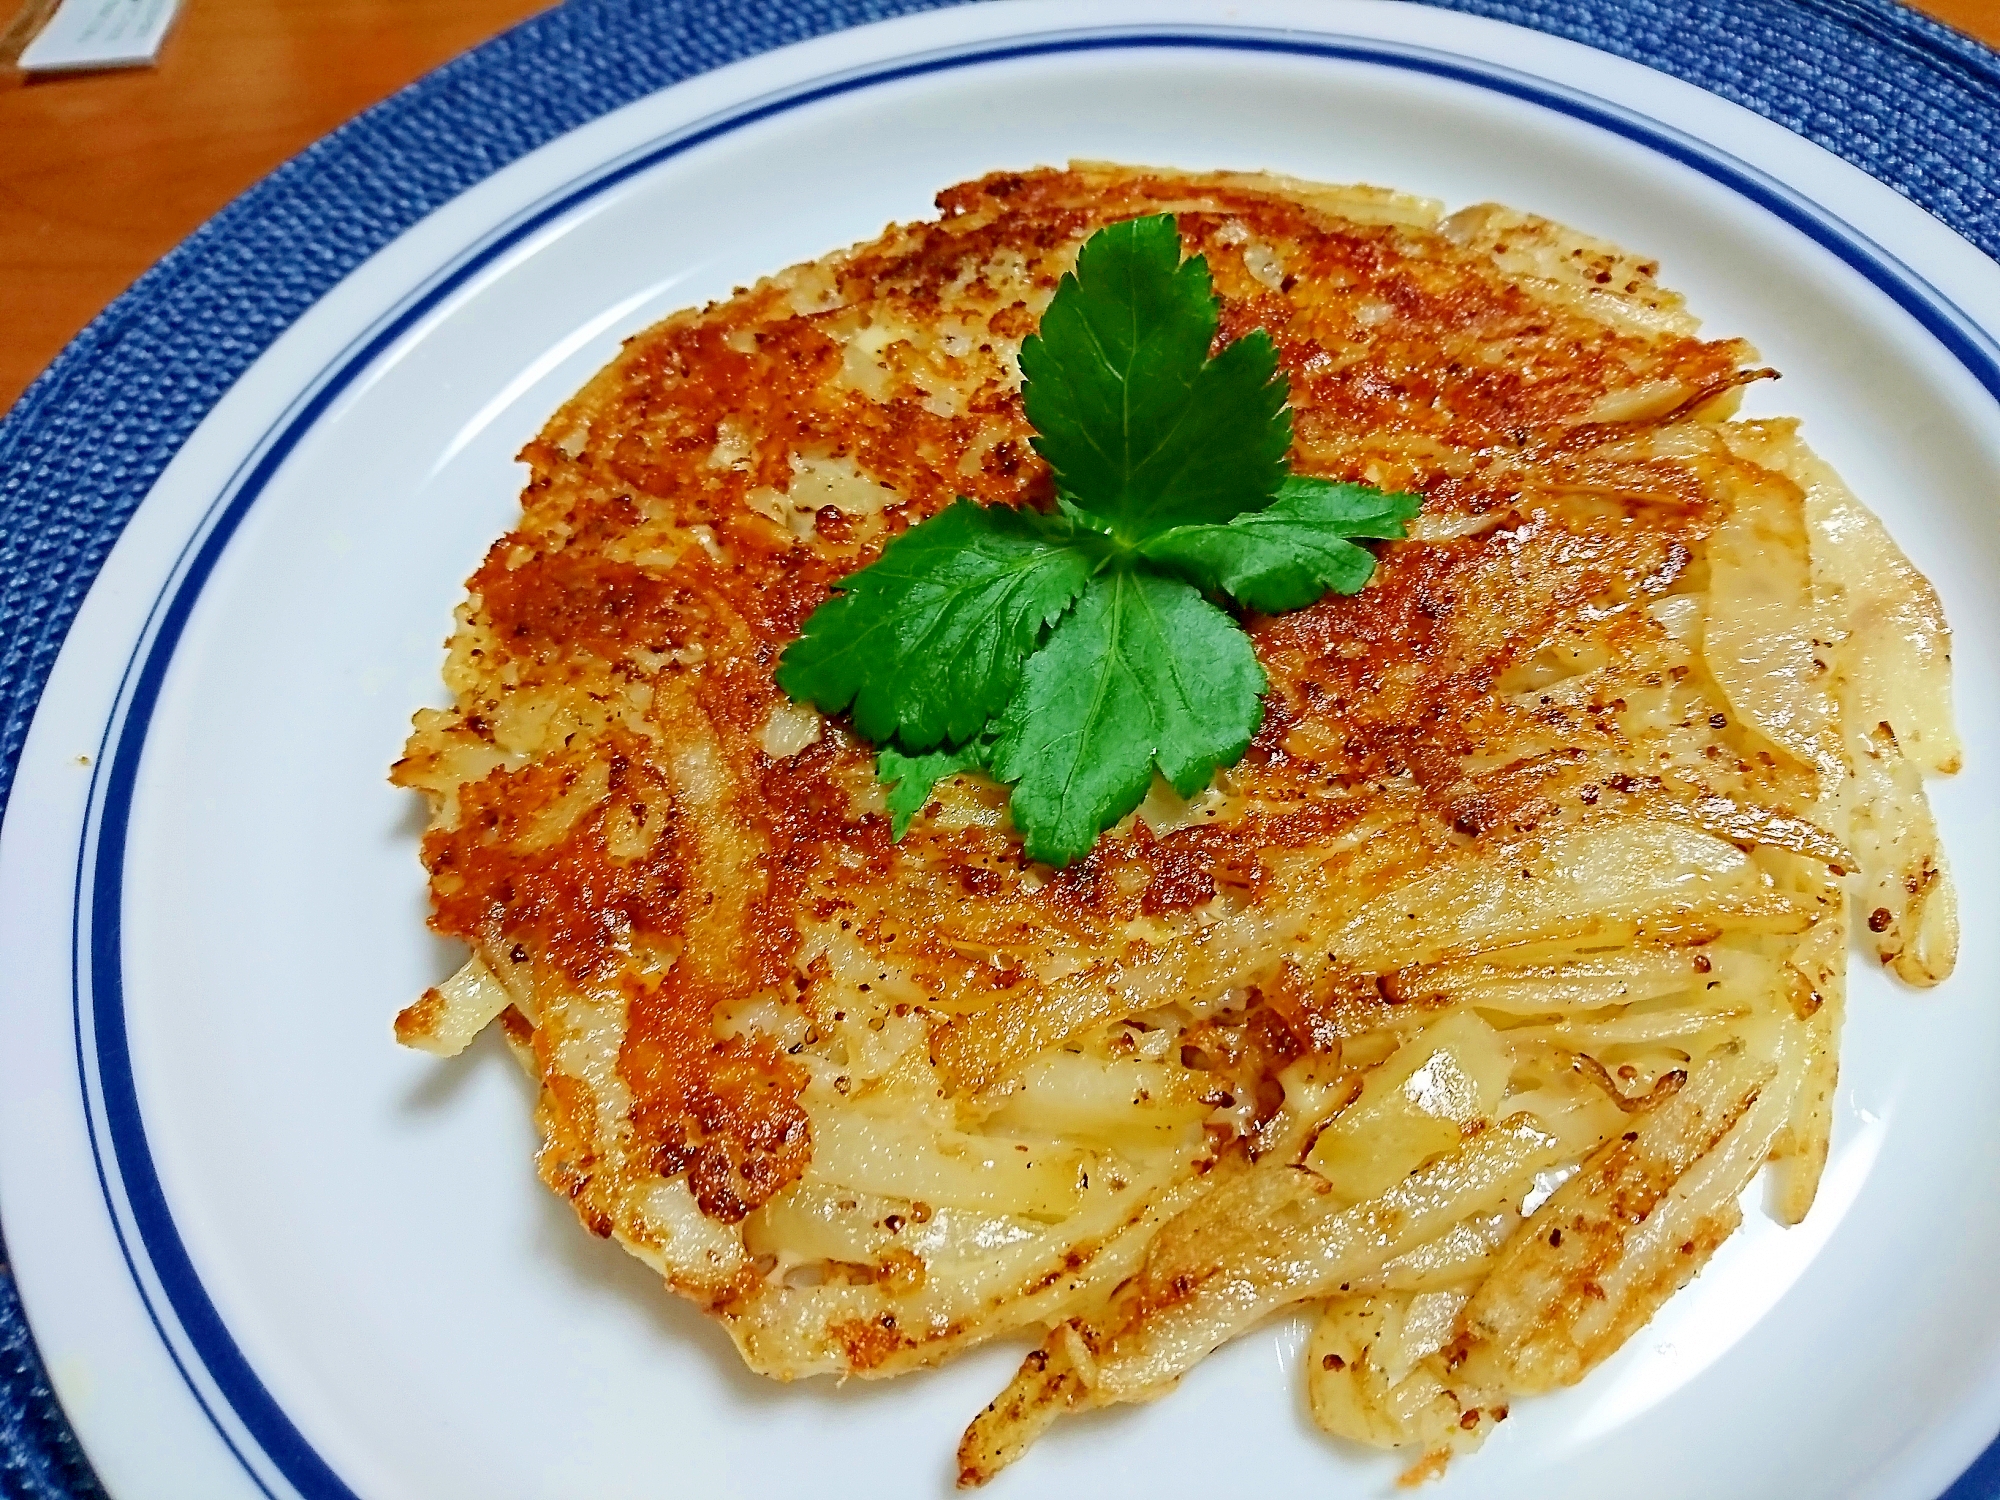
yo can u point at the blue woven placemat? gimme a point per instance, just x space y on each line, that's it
1907 100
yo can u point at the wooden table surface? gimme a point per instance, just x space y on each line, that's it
101 175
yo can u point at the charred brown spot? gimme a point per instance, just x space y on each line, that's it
725 1112
497 874
866 1342
420 1018
572 598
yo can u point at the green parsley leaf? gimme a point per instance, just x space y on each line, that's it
910 778
1143 429
927 641
1144 672
1293 551
1171 479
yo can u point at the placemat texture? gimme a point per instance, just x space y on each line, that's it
1905 99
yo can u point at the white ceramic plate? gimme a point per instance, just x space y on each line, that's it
266 1252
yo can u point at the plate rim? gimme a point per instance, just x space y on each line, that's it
101 843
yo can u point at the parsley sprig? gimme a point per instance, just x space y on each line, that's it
1071 654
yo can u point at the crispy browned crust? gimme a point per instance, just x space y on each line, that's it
620 835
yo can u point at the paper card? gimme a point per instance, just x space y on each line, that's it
100 34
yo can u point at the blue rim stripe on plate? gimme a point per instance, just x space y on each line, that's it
98 972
